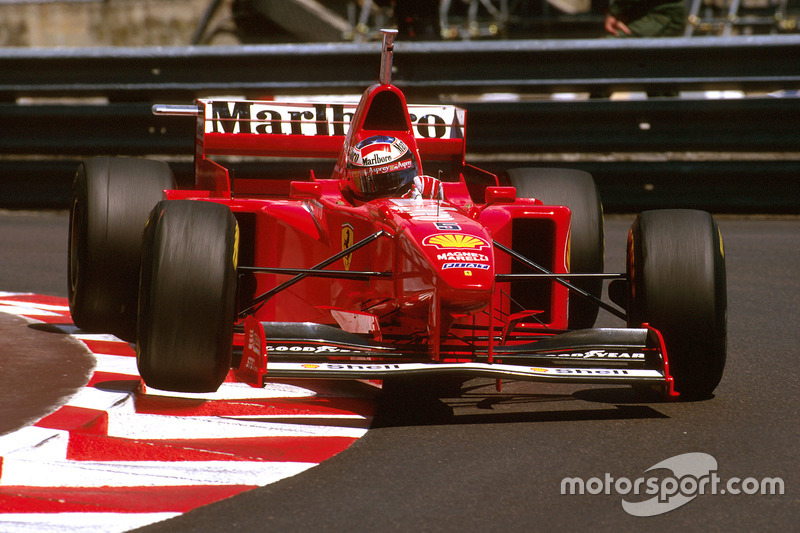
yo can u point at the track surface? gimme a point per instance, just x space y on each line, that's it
85 447
492 461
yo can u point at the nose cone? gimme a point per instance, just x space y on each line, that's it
464 266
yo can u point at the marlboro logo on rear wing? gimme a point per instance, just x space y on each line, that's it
241 127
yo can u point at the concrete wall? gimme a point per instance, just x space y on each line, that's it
103 22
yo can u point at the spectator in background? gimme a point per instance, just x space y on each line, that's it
646 18
416 19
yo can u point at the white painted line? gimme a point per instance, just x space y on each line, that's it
78 522
116 364
146 426
32 438
34 472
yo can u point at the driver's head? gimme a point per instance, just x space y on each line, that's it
380 166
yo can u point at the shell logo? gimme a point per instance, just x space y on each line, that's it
444 241
310 366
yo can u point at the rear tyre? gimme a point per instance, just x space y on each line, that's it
112 198
575 189
186 297
676 283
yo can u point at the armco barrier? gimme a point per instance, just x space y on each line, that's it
765 63
763 124
44 140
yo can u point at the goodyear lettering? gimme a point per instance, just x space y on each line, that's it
598 354
307 349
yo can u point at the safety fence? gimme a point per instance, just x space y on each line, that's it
728 154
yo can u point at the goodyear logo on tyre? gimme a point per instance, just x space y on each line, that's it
445 241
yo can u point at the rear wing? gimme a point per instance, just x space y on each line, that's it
280 129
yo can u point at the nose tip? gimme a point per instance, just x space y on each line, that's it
466 287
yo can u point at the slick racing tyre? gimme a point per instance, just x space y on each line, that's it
112 198
575 189
186 296
676 283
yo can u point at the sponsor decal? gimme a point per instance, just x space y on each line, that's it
463 256
479 266
253 350
443 241
425 210
307 349
598 354
591 372
447 226
279 118
347 242
350 366
366 172
378 150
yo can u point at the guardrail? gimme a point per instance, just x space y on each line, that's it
501 134
763 124
763 63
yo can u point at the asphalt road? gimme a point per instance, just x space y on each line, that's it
495 461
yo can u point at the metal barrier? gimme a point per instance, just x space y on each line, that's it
423 69
501 134
659 125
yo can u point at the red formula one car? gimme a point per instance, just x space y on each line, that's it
384 270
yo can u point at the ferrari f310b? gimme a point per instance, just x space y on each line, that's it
384 270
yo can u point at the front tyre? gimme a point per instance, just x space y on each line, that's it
676 283
186 298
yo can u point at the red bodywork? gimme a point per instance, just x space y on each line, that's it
439 253
421 284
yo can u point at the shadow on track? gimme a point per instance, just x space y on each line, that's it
474 404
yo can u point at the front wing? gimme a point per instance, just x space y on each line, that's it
618 356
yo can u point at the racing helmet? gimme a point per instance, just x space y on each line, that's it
380 166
